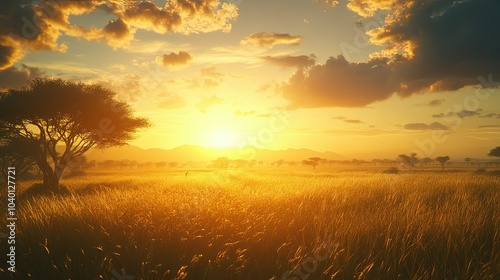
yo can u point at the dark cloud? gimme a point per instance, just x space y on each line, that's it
448 43
300 61
461 114
14 77
467 113
176 59
148 16
423 126
339 83
432 103
22 29
491 115
428 46
269 40
346 120
117 29
8 55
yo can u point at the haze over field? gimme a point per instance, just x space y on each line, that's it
360 78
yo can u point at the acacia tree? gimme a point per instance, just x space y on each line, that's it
312 161
409 160
495 152
61 120
443 160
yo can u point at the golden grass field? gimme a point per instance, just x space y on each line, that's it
262 223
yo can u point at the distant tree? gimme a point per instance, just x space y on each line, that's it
443 160
468 161
76 166
222 162
124 163
15 152
240 163
90 164
108 164
160 164
173 164
133 163
495 152
427 160
52 112
312 161
409 160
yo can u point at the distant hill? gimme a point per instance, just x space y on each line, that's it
187 153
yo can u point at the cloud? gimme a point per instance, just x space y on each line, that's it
269 40
427 46
211 72
175 59
423 126
489 126
300 61
432 103
172 101
210 83
240 113
29 26
148 16
491 115
14 77
208 102
346 120
461 114
117 32
339 83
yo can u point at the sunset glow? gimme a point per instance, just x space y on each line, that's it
212 74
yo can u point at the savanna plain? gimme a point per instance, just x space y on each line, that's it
261 223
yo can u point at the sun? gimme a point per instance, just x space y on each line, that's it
221 139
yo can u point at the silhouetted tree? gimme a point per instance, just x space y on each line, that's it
468 160
495 152
15 152
160 164
280 162
52 112
427 160
443 160
409 160
312 161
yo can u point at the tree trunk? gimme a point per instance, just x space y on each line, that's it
51 181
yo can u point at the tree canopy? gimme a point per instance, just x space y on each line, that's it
409 160
495 152
442 160
52 113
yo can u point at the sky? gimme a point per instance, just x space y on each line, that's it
362 78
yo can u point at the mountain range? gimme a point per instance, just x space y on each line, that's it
192 153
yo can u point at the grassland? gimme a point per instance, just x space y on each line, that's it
262 223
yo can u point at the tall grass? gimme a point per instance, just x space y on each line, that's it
264 224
